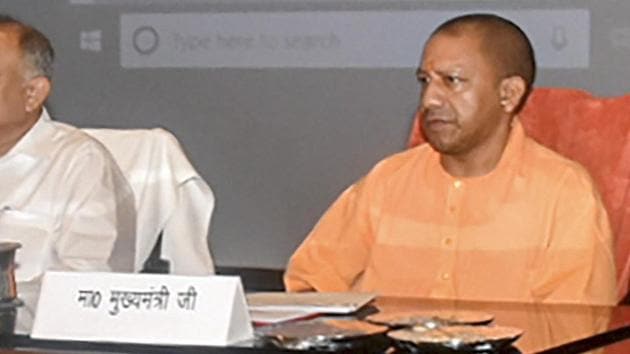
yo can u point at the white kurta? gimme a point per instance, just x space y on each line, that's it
65 199
171 197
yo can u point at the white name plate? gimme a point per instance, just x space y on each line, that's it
142 308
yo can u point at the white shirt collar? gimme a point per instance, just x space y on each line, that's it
34 141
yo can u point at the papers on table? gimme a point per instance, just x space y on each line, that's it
311 302
274 307
263 317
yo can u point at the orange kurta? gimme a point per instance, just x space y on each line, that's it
534 229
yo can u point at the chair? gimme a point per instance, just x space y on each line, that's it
595 132
171 198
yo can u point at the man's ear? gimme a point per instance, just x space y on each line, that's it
511 90
37 90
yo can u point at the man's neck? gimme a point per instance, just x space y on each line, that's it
12 135
479 161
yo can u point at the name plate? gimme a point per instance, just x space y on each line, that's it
142 308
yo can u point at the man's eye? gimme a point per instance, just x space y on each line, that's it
453 79
423 79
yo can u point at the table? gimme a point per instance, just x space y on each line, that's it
549 329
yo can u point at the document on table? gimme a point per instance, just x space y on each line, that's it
310 302
263 317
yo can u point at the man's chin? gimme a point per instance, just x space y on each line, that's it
442 147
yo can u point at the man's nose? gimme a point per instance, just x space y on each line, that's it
431 95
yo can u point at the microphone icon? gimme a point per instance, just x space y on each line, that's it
559 38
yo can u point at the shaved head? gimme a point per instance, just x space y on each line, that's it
503 43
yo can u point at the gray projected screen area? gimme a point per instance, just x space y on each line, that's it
281 105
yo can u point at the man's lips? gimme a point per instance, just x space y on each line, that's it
438 115
437 122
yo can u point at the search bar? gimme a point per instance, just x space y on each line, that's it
341 39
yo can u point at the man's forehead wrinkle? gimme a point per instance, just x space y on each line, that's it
444 65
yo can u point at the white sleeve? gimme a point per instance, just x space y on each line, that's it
99 216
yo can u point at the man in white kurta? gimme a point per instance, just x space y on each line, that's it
62 197
66 201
